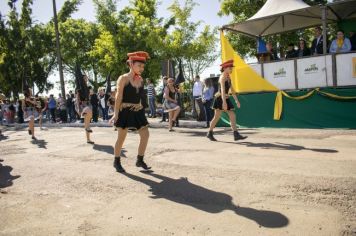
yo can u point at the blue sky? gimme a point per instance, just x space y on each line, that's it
206 11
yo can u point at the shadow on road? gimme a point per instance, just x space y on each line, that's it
108 149
282 146
183 192
202 133
5 176
3 137
40 143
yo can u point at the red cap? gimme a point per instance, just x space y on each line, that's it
138 56
229 63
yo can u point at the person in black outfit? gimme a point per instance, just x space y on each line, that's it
303 50
94 101
317 43
69 105
291 52
222 101
20 118
129 111
353 40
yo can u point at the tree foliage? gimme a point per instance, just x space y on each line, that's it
28 49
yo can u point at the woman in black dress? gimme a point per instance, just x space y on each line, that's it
129 110
222 101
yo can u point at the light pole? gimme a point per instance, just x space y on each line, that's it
59 58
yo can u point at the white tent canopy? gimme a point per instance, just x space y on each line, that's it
278 16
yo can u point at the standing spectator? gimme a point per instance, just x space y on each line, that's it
5 111
303 50
20 118
103 102
70 108
52 105
1 114
62 108
340 44
151 93
94 101
208 97
12 112
272 53
111 103
291 52
317 43
353 40
164 114
197 94
76 115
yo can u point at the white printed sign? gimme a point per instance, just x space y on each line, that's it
344 69
280 74
311 72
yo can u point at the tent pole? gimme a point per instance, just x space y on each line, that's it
323 18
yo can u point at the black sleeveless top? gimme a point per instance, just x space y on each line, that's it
227 86
171 94
132 94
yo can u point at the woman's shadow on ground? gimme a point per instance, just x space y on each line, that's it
183 192
108 149
282 146
6 179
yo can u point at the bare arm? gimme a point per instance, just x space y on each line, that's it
118 96
222 86
234 95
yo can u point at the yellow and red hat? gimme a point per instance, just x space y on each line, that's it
226 64
138 56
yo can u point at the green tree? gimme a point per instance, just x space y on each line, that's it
196 50
28 49
25 51
134 28
77 41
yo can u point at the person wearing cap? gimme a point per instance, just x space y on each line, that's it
129 109
29 107
222 102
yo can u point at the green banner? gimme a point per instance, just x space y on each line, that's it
316 111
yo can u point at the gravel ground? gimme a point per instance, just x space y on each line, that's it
276 182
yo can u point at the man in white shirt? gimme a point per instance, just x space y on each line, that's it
197 95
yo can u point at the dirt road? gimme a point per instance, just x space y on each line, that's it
276 182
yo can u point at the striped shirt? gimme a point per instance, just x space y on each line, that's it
150 90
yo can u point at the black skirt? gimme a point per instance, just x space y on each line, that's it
132 120
218 104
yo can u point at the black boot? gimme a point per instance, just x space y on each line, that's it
118 166
238 136
211 136
141 163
